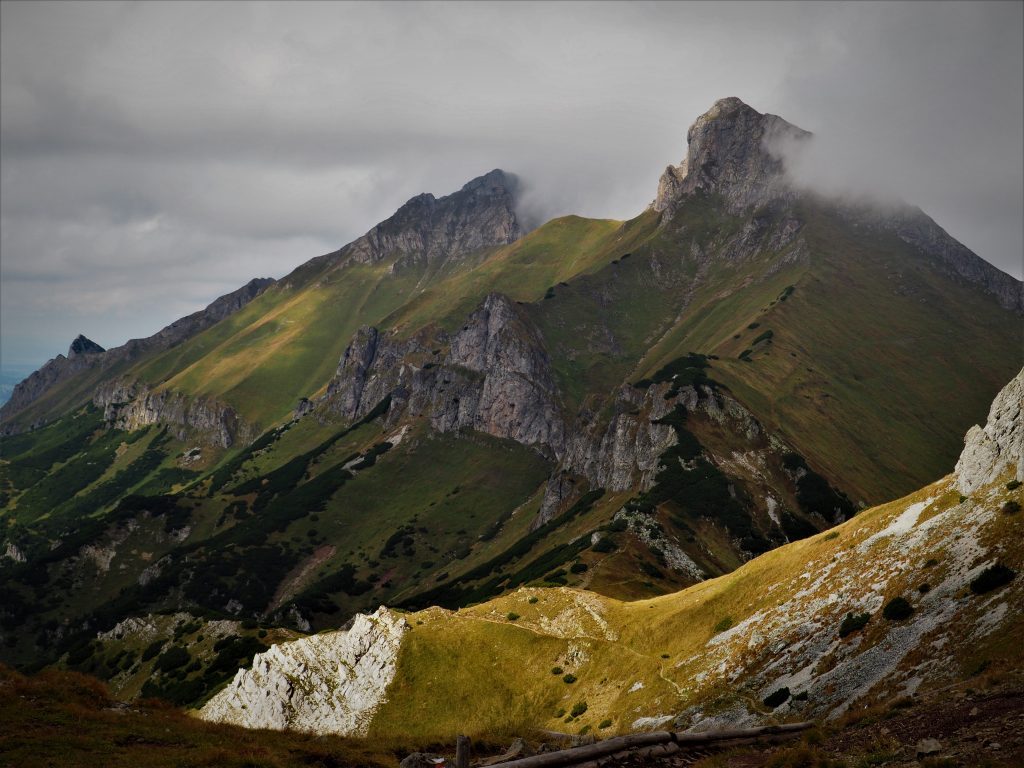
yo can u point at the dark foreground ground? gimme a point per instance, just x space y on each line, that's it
67 719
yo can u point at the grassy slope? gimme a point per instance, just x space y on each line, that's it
466 658
286 344
560 250
885 374
872 350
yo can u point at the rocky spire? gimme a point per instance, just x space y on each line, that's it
84 346
480 215
729 153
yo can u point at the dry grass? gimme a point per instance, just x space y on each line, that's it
64 719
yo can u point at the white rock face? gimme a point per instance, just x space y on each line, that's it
328 683
999 445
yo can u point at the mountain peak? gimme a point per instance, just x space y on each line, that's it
426 228
84 346
729 153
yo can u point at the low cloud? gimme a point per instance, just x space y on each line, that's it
156 155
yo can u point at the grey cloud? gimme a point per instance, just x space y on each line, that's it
156 155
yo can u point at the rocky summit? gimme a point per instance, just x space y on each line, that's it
687 470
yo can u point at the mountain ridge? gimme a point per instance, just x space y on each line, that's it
436 416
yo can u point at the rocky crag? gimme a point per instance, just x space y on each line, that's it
327 683
494 376
131 405
438 230
998 447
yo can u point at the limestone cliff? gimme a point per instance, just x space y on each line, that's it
495 377
330 683
998 447
132 405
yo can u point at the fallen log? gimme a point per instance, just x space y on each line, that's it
621 746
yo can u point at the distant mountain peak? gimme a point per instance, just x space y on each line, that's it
84 346
729 153
426 228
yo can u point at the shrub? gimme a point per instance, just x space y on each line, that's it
991 578
578 568
606 723
831 535
569 680
925 588
1011 507
560 714
556 670
152 649
776 698
852 623
898 609
1013 485
172 658
578 709
512 616
723 625
604 545
802 696
532 600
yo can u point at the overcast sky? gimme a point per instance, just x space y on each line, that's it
155 156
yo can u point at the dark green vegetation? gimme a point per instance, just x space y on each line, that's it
991 578
898 609
776 698
853 622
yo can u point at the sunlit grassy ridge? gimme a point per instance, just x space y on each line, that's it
286 343
504 660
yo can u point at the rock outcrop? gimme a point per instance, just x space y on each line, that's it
84 346
495 377
330 683
85 354
429 229
998 447
729 154
132 405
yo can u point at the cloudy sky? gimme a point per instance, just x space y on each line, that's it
155 156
